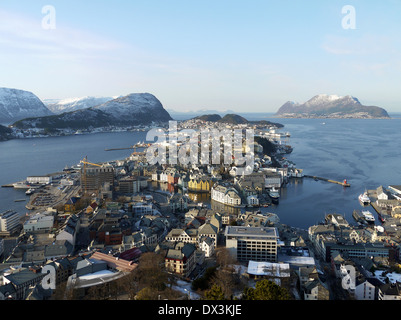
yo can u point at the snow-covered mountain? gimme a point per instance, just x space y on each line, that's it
131 110
73 104
19 104
331 106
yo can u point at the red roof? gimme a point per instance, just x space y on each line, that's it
131 254
115 263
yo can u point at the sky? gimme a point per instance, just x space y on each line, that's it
245 56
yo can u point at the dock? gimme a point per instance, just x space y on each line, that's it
344 183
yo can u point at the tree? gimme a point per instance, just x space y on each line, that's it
266 290
215 293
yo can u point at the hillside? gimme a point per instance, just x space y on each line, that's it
331 106
132 110
19 104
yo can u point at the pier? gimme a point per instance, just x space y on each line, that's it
344 183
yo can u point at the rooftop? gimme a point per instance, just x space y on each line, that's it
254 232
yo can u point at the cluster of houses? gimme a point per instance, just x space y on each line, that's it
368 250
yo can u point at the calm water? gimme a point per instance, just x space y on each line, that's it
365 152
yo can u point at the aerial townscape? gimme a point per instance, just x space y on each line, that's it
200 158
131 230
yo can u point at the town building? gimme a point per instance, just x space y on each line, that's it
39 180
93 178
311 286
9 221
250 243
226 194
181 259
39 223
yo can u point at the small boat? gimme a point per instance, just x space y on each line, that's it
368 216
274 195
364 199
20 200
30 191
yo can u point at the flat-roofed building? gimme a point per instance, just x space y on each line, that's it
9 220
93 178
252 243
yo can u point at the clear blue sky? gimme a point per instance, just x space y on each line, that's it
249 56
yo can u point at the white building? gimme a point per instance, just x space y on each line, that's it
365 291
226 195
252 200
9 220
207 245
39 180
41 222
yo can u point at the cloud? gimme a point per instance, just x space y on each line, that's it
25 35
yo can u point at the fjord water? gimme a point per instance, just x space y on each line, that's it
365 152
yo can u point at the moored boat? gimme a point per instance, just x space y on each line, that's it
274 195
368 216
364 199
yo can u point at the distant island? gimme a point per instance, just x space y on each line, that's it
235 119
331 106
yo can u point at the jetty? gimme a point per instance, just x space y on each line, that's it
344 183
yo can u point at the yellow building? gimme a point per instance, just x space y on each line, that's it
200 185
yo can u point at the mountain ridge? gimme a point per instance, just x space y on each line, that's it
131 110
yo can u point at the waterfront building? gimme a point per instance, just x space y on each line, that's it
250 243
9 221
39 180
225 194
273 180
200 184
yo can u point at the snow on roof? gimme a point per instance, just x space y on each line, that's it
279 270
96 275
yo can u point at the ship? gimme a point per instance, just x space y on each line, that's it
364 199
364 216
274 195
368 216
21 185
30 191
